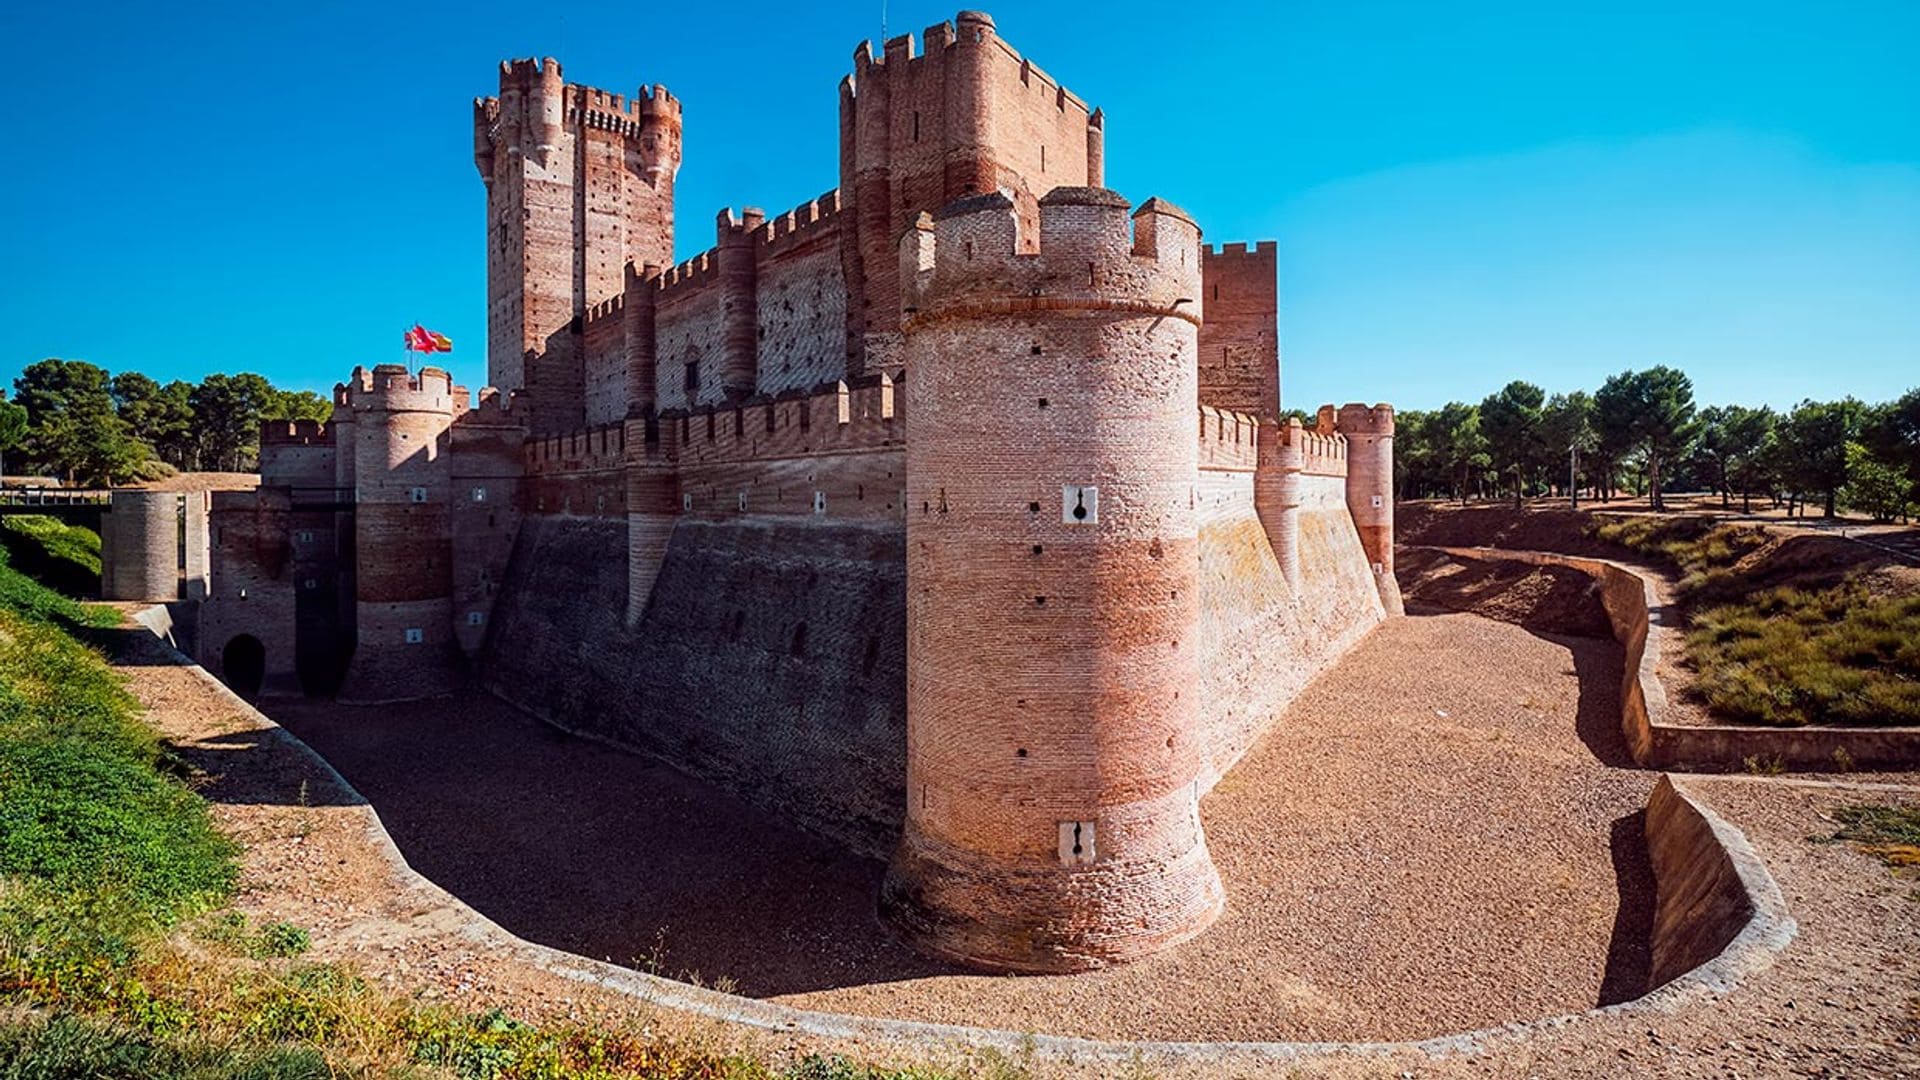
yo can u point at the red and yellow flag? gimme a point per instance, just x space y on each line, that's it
422 340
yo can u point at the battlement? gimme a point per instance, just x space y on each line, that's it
1319 454
695 273
530 72
840 417
803 223
970 257
392 388
1228 439
1355 418
968 29
494 408
594 107
295 433
1265 250
589 449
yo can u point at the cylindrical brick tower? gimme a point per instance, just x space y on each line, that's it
140 549
1053 751
1369 434
403 541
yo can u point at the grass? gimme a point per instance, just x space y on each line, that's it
120 955
65 557
1782 656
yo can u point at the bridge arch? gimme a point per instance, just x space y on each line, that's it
243 663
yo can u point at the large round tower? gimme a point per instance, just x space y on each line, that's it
1052 739
403 542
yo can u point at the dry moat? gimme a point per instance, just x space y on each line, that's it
1438 835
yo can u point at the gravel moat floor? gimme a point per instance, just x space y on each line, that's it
1435 837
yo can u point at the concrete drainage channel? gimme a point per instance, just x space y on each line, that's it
1719 918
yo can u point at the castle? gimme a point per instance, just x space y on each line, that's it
951 514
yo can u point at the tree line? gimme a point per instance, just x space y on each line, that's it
76 421
1641 432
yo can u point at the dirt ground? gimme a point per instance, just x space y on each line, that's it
1378 881
1379 850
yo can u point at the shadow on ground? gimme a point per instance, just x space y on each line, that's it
608 854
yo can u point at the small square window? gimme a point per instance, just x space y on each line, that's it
419 494
479 494
475 618
686 502
819 502
306 536
415 635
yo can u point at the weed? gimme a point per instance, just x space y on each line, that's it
1757 765
1890 833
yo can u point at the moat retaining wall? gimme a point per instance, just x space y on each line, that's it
1656 743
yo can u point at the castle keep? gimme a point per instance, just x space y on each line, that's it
951 514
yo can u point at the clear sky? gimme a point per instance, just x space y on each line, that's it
1463 193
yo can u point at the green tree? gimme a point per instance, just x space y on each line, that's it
1875 486
1458 446
1816 438
72 427
227 410
1567 428
1510 421
1649 413
298 405
13 427
160 416
1746 437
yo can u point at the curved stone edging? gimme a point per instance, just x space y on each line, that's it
1628 598
1765 932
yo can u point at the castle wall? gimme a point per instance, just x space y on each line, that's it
802 316
689 335
254 584
770 658
581 473
1240 341
1261 640
297 453
487 467
604 370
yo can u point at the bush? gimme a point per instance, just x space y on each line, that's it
1793 657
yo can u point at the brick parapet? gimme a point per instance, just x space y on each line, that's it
1228 439
1087 257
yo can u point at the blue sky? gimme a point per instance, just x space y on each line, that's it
1463 194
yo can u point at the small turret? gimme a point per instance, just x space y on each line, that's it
1369 435
403 539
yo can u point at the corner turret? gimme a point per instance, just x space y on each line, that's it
1054 747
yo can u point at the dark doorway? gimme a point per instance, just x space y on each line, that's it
244 662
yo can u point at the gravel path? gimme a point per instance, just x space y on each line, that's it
1424 844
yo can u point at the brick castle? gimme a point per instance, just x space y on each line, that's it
951 514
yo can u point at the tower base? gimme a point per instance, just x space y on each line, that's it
1042 919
